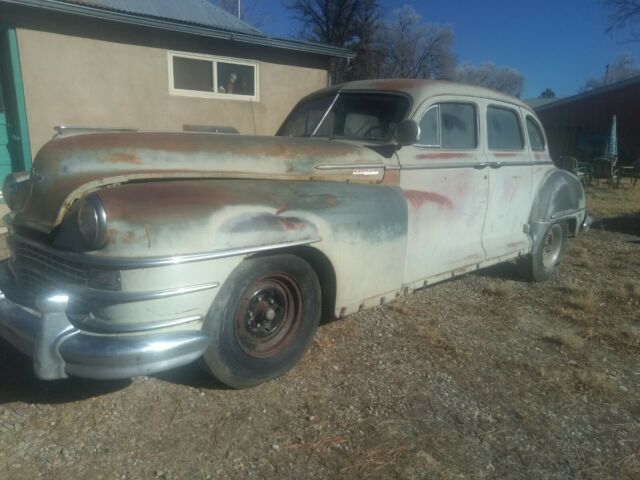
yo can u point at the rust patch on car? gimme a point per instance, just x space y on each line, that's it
418 199
504 154
124 157
391 177
443 156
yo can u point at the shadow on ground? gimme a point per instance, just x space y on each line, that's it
627 224
19 384
503 271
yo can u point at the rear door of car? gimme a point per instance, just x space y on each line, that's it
510 160
445 181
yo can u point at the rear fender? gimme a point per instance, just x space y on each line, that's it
559 198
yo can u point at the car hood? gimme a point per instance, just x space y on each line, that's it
67 168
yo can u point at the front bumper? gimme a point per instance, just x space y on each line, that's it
59 349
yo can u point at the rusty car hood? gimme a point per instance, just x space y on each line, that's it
67 168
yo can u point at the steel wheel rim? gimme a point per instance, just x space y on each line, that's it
268 315
551 246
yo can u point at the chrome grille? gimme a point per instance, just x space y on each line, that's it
39 272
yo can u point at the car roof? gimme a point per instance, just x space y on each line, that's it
420 89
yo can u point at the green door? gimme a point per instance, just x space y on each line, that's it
5 157
15 154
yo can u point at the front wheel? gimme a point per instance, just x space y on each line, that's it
546 257
262 320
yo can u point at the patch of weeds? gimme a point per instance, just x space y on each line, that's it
579 298
563 338
499 289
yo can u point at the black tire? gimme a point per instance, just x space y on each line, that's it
262 320
542 263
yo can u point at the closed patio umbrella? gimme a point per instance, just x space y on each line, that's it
612 143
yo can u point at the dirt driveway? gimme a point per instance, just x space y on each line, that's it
485 376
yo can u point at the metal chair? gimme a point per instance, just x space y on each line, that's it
570 164
604 168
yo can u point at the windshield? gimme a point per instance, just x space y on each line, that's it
352 115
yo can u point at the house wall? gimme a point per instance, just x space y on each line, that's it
570 124
84 72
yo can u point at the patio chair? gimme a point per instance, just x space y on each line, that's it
570 164
636 172
604 169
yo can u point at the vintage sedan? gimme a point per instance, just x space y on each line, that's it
136 252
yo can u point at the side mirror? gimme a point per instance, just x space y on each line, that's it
407 133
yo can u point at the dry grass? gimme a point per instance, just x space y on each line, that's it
605 202
499 289
563 337
578 297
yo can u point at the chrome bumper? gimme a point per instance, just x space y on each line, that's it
59 349
586 223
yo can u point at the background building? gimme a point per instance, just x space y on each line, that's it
579 126
147 64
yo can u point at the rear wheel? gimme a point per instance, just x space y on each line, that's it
546 257
263 320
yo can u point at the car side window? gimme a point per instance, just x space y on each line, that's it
536 138
451 126
503 129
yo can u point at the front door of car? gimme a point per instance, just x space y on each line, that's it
510 171
445 181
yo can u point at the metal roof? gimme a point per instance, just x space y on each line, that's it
196 17
612 87
201 12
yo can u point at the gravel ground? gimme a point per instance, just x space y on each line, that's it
484 376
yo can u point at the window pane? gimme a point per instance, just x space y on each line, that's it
503 128
535 134
458 125
192 74
236 79
429 135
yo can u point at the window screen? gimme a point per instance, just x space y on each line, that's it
450 126
536 139
192 74
503 129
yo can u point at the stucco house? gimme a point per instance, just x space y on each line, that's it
145 64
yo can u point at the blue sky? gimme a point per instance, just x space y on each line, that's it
556 44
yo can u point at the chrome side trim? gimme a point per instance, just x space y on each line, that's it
350 166
144 262
98 326
110 297
476 165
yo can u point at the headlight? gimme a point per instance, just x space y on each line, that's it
16 190
92 222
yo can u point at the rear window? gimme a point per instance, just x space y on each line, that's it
503 129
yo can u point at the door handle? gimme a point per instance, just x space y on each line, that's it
497 164
15 138
480 166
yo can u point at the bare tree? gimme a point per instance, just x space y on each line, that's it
416 49
624 16
341 23
503 79
251 11
623 68
547 93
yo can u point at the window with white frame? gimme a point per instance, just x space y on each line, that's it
213 77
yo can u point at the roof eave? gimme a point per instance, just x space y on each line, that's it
591 93
121 17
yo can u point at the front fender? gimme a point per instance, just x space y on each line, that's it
560 198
